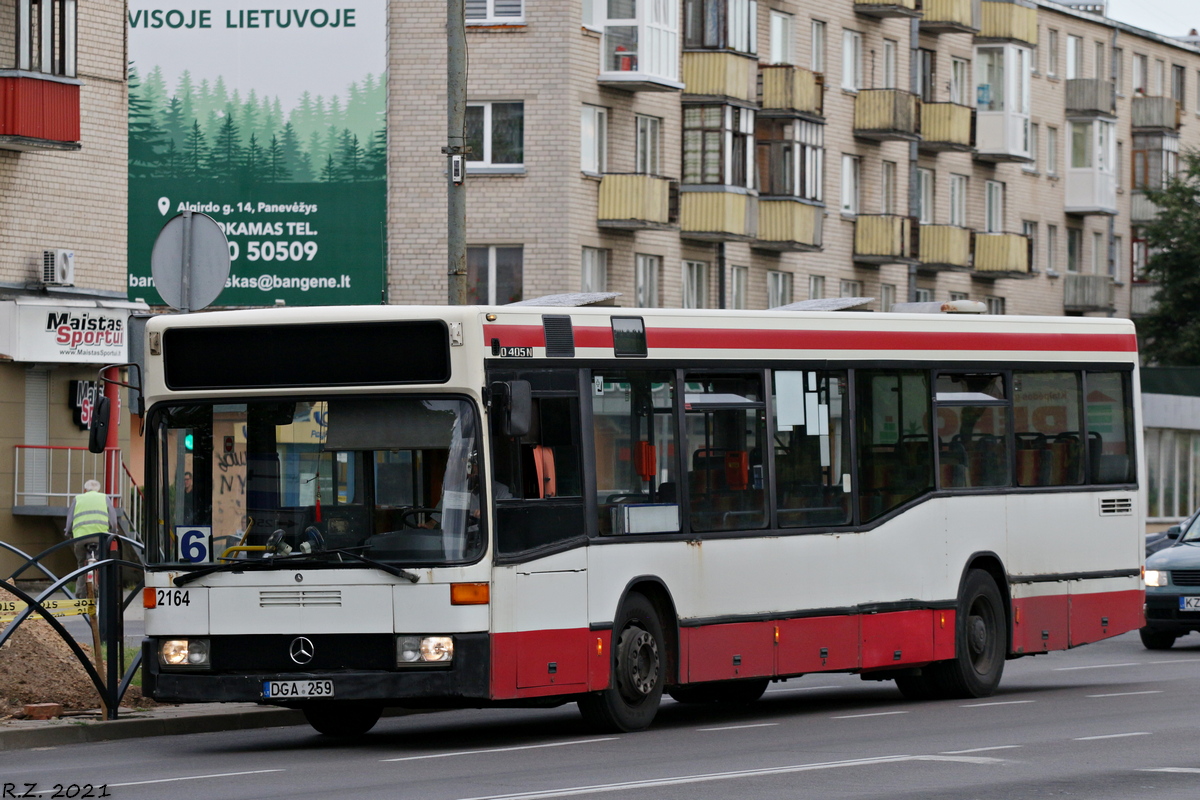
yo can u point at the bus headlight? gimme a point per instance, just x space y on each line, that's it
414 650
1157 577
184 653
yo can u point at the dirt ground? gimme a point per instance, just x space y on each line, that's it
37 666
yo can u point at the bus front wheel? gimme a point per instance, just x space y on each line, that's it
638 671
342 720
980 643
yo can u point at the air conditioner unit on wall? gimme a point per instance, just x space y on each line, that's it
58 267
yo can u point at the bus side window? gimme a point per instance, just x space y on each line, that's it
895 443
1047 428
1110 428
812 457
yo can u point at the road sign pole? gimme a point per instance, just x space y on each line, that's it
186 259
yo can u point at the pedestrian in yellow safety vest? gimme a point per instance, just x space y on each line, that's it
90 512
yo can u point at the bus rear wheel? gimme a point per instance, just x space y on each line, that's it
730 692
342 720
980 643
638 671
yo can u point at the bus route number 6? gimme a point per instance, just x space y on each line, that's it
195 544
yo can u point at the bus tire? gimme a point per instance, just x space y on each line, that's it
980 643
1156 640
638 672
342 720
730 692
917 687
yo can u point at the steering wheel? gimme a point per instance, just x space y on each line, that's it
408 517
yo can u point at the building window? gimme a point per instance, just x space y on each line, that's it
995 305
649 136
594 272
1074 57
711 132
959 296
958 200
1178 81
779 288
1141 254
1092 145
1098 254
646 272
925 181
496 134
1117 164
851 167
720 24
1051 151
781 38
1155 160
960 80
852 61
1141 70
1052 53
1098 67
850 288
817 61
887 296
791 157
889 64
494 12
695 284
739 279
1118 69
494 275
922 295
1160 77
927 59
816 287
1029 228
641 37
1114 267
46 36
1074 246
990 76
993 211
593 139
1032 166
1051 248
887 188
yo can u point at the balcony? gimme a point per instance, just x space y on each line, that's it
718 75
945 247
885 239
887 115
1142 299
642 55
1156 114
1007 21
1091 173
791 91
1002 255
1083 293
1141 208
946 127
789 225
635 202
717 214
888 8
1091 97
38 111
951 16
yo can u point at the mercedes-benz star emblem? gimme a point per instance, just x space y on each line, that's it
302 650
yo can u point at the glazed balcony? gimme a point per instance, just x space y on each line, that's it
717 214
1002 20
1156 114
635 202
789 225
888 8
885 239
642 54
1091 97
38 111
791 91
1002 255
947 126
887 115
1083 293
720 75
951 16
945 247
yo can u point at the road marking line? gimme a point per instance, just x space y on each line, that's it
982 749
1098 666
186 778
1112 736
739 727
998 703
1174 661
1126 694
876 714
1171 769
502 749
722 776
799 689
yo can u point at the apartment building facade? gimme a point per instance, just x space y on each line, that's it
63 312
742 154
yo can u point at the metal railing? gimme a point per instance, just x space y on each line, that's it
635 201
886 113
787 88
947 125
50 475
945 246
1003 252
952 15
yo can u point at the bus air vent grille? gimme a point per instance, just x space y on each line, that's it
299 598
1114 506
1185 577
560 338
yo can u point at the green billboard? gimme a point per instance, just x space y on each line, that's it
271 122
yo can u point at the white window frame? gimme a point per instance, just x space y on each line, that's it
923 295
1098 67
779 288
782 40
993 204
1099 256
486 161
593 271
959 296
647 269
816 59
890 47
851 198
887 187
1160 77
1030 229
887 296
648 142
1032 166
1074 56
739 282
593 139
1052 53
850 288
852 60
695 284
1052 248
1114 268
960 81
1051 150
958 200
491 267
1140 73
925 196
995 305
816 287
491 15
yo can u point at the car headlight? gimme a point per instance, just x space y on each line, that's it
1157 577
415 650
184 653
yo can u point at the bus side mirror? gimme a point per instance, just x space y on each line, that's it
98 430
514 401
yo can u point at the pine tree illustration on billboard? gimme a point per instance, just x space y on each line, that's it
271 122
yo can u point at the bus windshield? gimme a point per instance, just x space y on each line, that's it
390 478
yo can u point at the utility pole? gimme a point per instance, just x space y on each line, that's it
456 151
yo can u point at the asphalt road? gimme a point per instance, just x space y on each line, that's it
1110 720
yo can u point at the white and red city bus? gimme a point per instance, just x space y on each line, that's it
354 508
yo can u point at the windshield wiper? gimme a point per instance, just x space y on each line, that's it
280 562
